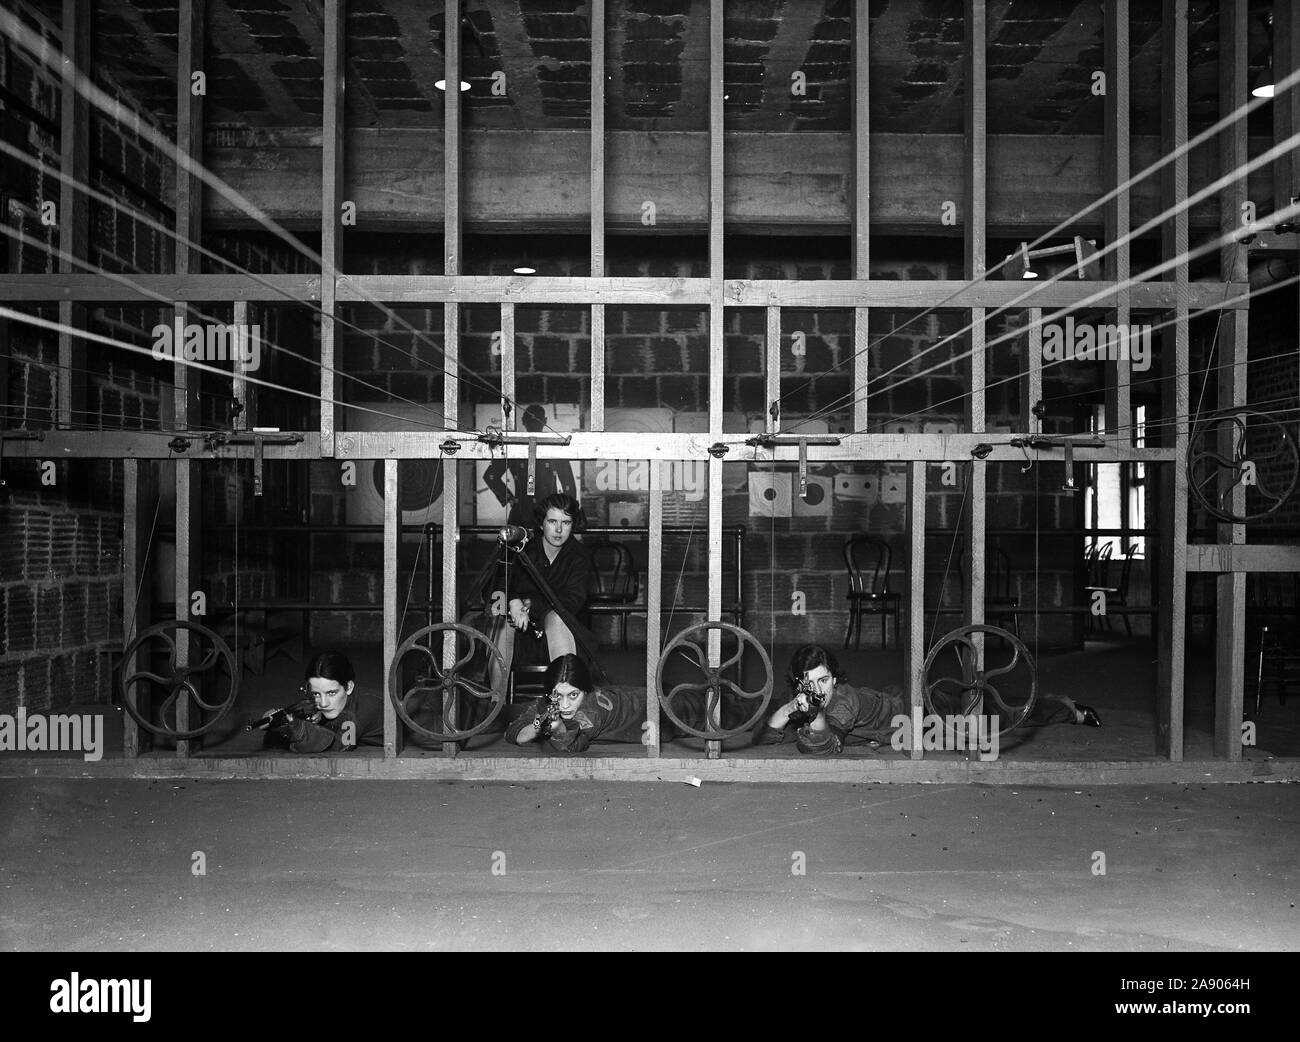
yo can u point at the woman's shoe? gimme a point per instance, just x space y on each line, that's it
1090 717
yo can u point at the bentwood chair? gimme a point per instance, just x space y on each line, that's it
867 560
1000 602
617 583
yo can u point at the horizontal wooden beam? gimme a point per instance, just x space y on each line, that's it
858 765
529 180
117 289
891 293
1243 558
592 445
492 289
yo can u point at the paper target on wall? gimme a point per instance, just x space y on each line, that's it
893 487
902 427
419 481
863 489
769 494
818 501
939 427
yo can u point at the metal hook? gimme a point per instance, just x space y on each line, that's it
1029 460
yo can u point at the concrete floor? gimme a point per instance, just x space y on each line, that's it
106 865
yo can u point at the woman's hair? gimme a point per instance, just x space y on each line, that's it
808 657
562 501
568 669
332 666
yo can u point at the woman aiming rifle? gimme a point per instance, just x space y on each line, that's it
333 715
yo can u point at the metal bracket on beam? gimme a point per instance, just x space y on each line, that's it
1041 441
257 439
498 438
16 436
769 441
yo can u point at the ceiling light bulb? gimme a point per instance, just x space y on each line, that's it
524 269
1264 90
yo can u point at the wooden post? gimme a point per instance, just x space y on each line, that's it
450 515
451 344
510 419
139 501
914 652
74 208
1116 216
392 540
331 231
189 230
1286 108
976 243
716 341
1230 587
653 600
451 146
239 385
772 371
1171 643
597 419
861 206
1031 374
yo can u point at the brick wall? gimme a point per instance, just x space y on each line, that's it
60 563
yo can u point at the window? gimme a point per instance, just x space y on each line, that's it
1115 500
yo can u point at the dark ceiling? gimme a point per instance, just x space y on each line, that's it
264 67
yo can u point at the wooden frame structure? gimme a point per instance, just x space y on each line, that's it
1176 295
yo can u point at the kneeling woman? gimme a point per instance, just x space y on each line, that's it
335 715
577 714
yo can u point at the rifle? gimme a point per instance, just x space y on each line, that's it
302 710
547 713
814 698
